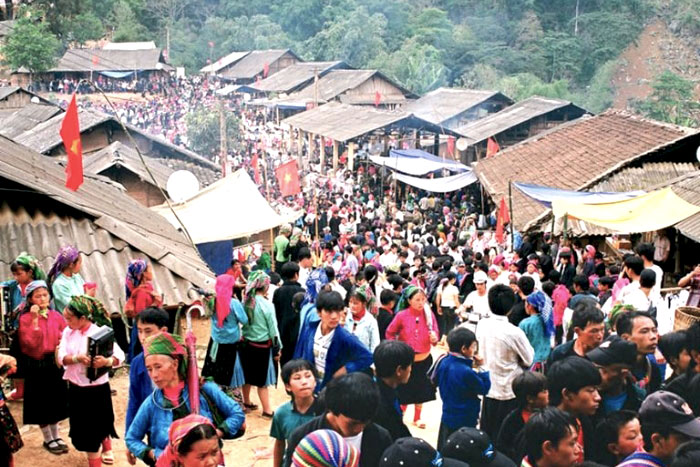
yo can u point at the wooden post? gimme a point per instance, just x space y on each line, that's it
223 149
351 157
335 156
510 207
322 155
311 146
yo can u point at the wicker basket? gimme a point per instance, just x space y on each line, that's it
685 316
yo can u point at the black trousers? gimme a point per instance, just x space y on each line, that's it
493 413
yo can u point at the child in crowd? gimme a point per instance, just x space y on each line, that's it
385 315
531 393
551 439
618 436
299 378
393 361
140 295
10 438
461 382
674 347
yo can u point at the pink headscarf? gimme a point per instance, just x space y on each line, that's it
178 430
224 292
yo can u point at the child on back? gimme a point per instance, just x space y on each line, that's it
299 377
531 394
460 382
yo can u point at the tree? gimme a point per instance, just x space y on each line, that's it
30 45
524 85
671 100
126 26
204 131
86 27
417 66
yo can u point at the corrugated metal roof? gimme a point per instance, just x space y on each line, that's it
343 122
98 218
336 82
27 118
574 156
82 60
223 62
45 136
120 155
445 103
688 188
294 76
516 114
253 63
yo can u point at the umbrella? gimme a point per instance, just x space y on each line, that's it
192 370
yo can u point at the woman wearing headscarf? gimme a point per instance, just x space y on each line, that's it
192 442
167 363
89 402
223 362
361 322
325 448
261 342
539 326
40 330
64 277
25 269
419 329
140 295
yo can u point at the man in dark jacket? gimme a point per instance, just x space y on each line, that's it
351 402
393 361
287 316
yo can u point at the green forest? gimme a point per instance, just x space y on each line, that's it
556 48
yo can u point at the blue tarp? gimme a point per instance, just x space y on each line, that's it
417 162
545 195
217 255
116 74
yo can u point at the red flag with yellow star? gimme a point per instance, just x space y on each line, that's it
70 134
288 178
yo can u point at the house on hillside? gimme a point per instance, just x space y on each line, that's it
107 226
296 77
454 107
14 98
515 123
253 65
613 151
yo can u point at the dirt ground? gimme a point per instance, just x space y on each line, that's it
253 449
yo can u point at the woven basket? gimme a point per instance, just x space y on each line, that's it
685 316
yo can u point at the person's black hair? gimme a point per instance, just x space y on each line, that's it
582 281
607 281
200 432
329 301
235 261
395 281
405 274
297 300
154 315
650 428
526 284
370 273
348 248
460 337
450 275
573 374
614 269
304 253
289 270
646 251
625 323
402 254
549 424
608 432
548 288
387 296
16 266
330 273
354 395
483 266
693 337
599 269
635 263
554 276
357 296
274 278
647 278
298 364
528 384
390 355
585 313
545 248
687 455
501 299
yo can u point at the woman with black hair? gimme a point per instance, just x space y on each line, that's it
192 442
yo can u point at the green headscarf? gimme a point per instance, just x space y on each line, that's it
264 262
256 280
365 292
406 295
30 262
171 345
91 308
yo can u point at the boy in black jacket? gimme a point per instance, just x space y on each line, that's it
393 361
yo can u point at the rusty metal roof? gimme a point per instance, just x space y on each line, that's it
576 156
443 104
108 227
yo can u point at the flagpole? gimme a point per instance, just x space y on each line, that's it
510 205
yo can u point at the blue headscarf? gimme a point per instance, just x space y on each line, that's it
134 275
543 305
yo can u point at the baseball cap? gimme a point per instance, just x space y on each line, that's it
474 446
614 350
671 410
415 452
480 277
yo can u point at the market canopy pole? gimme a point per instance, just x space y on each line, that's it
510 208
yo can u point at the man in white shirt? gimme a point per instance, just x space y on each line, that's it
476 305
506 352
646 252
634 265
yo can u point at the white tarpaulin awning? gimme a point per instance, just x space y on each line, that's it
438 185
417 162
228 209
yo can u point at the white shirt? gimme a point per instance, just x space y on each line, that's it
366 330
321 345
479 303
304 276
505 350
355 441
659 278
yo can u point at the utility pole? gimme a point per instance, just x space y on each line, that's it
223 149
576 19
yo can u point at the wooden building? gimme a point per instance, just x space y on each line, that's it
251 66
14 98
454 107
516 123
296 77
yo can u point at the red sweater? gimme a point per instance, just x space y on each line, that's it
35 343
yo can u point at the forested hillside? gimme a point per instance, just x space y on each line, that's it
558 48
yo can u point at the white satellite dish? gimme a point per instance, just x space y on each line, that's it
462 144
697 153
182 185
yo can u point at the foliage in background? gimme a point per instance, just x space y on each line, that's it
204 131
671 100
30 44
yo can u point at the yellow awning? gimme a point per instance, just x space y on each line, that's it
644 213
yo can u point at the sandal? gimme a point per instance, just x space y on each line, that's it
53 447
108 458
250 406
419 424
268 416
62 444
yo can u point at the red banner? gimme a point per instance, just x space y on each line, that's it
70 134
288 178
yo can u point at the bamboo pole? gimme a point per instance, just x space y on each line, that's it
510 206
